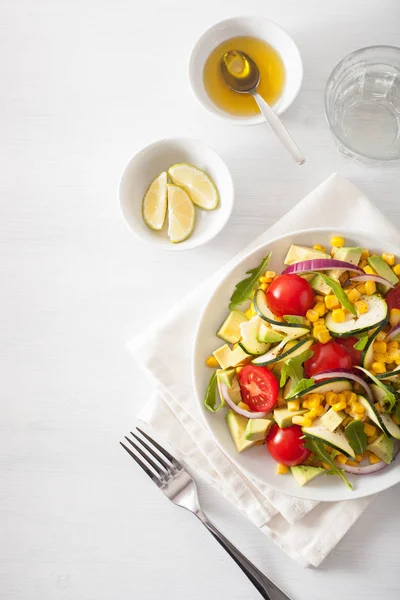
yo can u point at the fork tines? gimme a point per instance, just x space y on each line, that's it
146 451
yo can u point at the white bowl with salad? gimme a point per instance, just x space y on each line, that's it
297 364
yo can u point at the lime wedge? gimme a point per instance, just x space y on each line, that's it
181 214
196 183
154 208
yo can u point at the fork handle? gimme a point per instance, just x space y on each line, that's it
264 585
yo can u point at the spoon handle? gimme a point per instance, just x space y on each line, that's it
279 129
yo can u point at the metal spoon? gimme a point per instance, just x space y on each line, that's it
243 76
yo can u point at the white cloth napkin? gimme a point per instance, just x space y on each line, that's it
306 530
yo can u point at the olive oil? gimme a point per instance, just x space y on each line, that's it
272 76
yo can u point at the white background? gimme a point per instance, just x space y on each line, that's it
83 85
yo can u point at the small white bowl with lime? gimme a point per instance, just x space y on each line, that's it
177 193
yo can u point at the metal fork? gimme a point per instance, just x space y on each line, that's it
178 485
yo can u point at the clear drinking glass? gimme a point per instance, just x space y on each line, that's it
362 103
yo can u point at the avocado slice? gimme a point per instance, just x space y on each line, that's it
383 270
237 428
304 473
350 255
257 429
331 419
226 376
383 447
230 328
319 285
283 416
268 335
299 253
229 358
234 390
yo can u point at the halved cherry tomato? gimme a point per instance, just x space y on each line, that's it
290 295
258 387
326 357
393 298
348 345
286 445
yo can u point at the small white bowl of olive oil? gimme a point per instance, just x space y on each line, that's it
273 50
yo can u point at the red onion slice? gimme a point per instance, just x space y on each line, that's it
368 469
320 264
345 374
376 278
394 333
237 409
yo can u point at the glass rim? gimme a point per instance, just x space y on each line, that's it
333 72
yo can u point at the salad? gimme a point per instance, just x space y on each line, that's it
310 365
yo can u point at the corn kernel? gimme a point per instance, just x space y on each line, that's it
392 345
264 286
238 369
319 247
323 337
346 421
341 397
352 397
358 408
353 295
396 419
361 288
396 269
248 313
394 316
358 417
378 367
379 357
341 459
281 469
370 287
389 259
346 393
270 274
372 438
263 280
311 414
380 347
318 327
293 405
331 302
314 401
347 410
320 309
362 264
318 298
378 407
361 306
319 410
339 406
373 459
212 362
393 354
365 253
331 398
369 429
369 270
352 463
303 421
244 406
312 315
338 315
359 457
380 336
337 241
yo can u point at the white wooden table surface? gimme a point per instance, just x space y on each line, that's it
77 520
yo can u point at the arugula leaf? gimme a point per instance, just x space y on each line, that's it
293 368
356 436
339 293
362 342
244 288
301 386
390 398
211 393
320 450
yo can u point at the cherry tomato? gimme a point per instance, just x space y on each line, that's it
258 387
290 295
393 298
286 445
327 356
348 345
